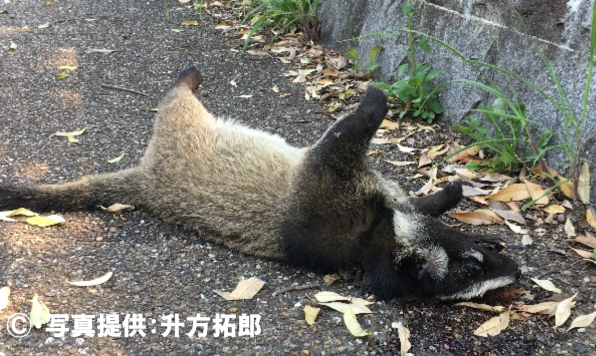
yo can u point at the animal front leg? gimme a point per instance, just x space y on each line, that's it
440 202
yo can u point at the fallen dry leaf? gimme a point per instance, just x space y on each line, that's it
581 321
546 284
590 217
310 314
245 289
324 297
404 338
341 307
352 323
537 193
39 312
189 23
478 217
45 221
584 254
588 240
406 149
569 229
117 207
329 279
513 192
71 135
485 307
5 215
548 308
401 163
95 282
100 50
389 125
583 184
527 240
510 215
516 229
563 311
4 294
493 326
554 209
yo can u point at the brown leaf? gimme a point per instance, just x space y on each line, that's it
510 215
389 125
329 279
514 192
588 240
485 307
584 254
438 150
478 217
116 208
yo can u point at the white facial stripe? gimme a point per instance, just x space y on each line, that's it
474 254
437 261
405 226
479 289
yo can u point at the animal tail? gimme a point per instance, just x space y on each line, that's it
86 193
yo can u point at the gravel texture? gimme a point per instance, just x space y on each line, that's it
160 269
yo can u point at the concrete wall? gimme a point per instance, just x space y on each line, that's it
486 30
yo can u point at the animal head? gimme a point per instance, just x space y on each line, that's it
346 216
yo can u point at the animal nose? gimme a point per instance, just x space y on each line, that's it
518 273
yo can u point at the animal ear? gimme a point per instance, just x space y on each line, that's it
440 202
345 143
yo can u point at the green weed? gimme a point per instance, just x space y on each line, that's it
281 15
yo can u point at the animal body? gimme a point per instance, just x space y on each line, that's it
320 207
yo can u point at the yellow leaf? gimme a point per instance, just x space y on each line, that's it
45 221
245 289
342 307
564 310
71 135
310 314
546 284
39 313
513 192
493 326
536 193
5 215
389 125
438 150
581 321
554 209
189 23
97 281
591 217
67 68
4 294
426 128
116 159
583 184
275 89
352 323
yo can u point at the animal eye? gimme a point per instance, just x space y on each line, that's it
474 268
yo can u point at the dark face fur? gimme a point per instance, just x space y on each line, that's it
344 217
